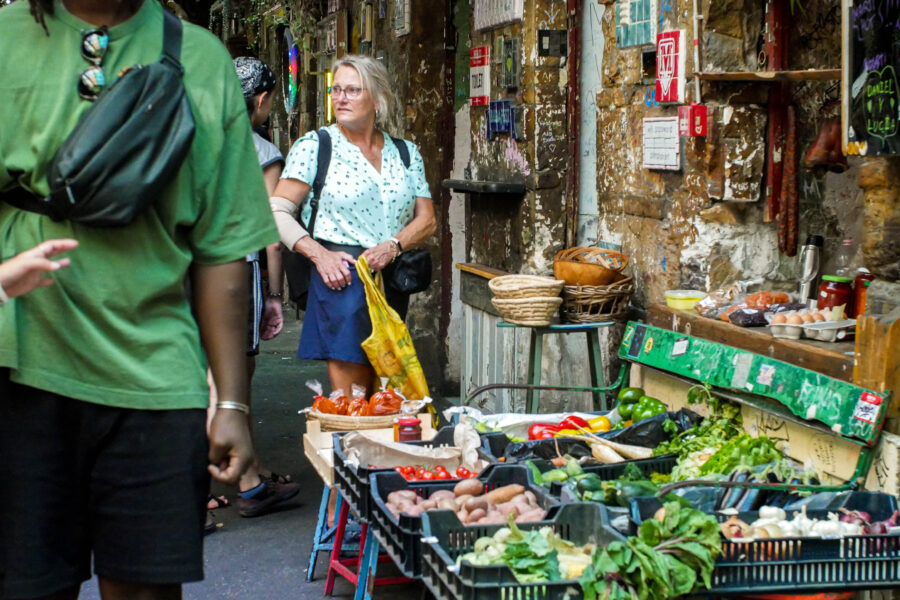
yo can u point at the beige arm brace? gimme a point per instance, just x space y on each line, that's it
289 229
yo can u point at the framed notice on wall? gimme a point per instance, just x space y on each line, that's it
480 75
871 99
662 148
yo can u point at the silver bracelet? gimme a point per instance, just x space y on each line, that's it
234 406
4 298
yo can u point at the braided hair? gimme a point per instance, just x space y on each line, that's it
39 8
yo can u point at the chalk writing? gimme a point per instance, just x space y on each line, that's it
876 62
881 103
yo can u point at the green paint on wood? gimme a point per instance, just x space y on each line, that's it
462 13
849 410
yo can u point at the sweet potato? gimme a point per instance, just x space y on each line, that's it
429 505
442 495
414 511
504 494
445 504
532 499
469 486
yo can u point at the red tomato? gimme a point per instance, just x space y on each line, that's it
471 475
399 470
408 470
442 475
440 468
462 472
419 472
427 476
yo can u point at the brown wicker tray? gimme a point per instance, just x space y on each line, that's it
590 304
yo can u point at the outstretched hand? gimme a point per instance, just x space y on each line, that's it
25 272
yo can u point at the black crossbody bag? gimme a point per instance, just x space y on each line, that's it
125 150
410 273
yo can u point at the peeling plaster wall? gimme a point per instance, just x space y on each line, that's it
702 227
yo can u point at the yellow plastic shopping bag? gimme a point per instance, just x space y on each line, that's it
390 348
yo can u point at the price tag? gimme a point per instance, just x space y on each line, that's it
680 347
867 408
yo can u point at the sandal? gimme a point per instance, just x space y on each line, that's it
214 502
282 479
210 526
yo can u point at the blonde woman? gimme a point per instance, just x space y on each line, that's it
372 205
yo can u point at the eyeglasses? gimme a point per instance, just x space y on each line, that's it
94 43
352 92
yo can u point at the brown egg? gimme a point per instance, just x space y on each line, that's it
818 317
806 317
778 319
794 320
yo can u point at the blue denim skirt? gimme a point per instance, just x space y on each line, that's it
337 322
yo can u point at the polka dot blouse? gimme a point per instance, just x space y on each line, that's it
359 206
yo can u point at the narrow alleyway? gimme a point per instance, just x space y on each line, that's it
266 558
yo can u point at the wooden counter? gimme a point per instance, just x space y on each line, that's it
834 359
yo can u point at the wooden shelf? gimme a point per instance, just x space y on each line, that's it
828 358
766 76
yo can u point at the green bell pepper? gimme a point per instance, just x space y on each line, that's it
647 407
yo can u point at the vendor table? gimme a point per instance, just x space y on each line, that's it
535 355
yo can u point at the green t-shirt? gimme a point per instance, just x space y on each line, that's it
116 327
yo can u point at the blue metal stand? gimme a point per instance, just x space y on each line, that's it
323 538
367 568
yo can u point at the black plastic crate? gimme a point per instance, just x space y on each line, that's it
401 537
353 482
445 539
657 464
861 562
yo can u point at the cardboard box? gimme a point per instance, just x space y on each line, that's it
318 445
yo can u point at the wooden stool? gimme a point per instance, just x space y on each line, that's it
595 358
323 537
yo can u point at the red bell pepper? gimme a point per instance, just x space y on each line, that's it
537 431
573 422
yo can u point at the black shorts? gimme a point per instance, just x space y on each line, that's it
128 486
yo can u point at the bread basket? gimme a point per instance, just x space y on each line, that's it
589 266
525 286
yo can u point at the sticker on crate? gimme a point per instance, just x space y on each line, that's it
867 408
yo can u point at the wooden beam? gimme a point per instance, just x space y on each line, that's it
480 270
772 76
826 358
878 359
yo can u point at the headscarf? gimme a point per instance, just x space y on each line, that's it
255 76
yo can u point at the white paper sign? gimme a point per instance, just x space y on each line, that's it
661 143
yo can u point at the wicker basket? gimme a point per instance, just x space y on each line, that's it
589 266
525 286
590 304
533 312
345 423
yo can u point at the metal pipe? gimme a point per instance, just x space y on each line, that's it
698 16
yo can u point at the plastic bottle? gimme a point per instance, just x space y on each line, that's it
843 259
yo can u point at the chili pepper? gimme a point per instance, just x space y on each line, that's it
535 431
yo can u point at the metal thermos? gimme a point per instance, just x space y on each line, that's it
810 262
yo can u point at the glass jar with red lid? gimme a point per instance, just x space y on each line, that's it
836 291
408 429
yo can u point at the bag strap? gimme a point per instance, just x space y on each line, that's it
402 149
323 159
172 33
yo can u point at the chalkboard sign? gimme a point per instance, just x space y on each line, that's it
871 98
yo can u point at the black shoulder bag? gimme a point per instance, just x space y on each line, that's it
125 150
410 273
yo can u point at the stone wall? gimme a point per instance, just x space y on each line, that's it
703 226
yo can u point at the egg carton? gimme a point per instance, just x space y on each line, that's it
830 331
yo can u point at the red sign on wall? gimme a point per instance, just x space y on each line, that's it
480 75
670 53
692 120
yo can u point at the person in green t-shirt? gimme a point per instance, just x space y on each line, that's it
102 374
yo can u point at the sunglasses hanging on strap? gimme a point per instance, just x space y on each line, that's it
128 146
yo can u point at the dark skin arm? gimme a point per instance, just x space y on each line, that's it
220 294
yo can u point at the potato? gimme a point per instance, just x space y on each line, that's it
505 493
536 514
532 499
494 518
414 511
461 500
442 495
447 504
475 515
469 486
477 502
429 505
508 507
